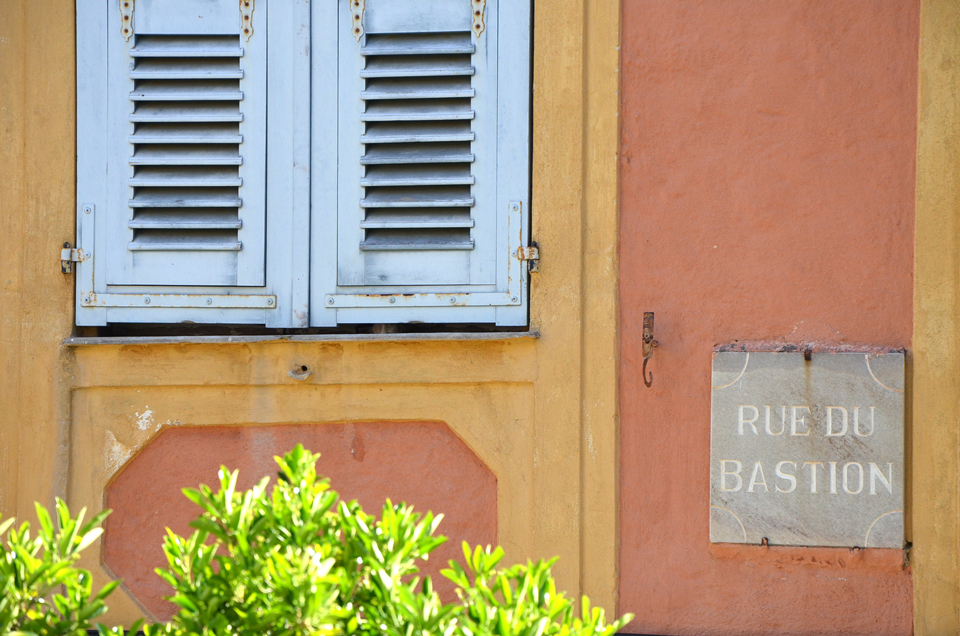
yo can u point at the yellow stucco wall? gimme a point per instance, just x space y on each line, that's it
541 411
37 194
935 436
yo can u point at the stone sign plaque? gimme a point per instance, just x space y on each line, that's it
807 452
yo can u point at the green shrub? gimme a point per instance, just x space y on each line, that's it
291 560
41 592
295 560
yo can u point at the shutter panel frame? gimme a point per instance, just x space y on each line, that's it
281 300
426 93
176 89
493 301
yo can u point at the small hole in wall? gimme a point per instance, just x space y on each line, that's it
300 372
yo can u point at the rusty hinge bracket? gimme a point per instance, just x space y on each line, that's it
126 19
478 7
531 255
648 345
246 18
70 255
356 10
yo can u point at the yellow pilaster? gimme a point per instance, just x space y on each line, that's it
37 185
935 437
600 459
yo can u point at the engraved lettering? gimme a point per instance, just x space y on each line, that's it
787 476
794 421
751 421
876 473
757 472
846 478
856 422
843 411
783 421
830 471
813 475
724 473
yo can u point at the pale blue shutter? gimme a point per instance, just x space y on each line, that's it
433 164
188 168
173 161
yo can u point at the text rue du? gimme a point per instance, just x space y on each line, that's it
837 424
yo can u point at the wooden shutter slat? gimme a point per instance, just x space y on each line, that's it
388 220
181 177
210 220
418 175
419 44
186 198
417 153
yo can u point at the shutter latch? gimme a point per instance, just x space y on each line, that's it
70 255
530 254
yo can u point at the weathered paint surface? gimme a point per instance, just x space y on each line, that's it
936 334
60 434
421 463
540 413
37 185
767 195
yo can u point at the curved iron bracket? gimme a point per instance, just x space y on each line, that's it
648 344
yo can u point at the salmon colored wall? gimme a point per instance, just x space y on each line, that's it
767 194
422 463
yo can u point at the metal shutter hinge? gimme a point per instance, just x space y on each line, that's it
478 7
531 255
356 10
126 19
70 255
246 18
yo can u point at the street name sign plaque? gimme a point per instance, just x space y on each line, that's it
807 450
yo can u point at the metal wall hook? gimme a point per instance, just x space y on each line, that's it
648 344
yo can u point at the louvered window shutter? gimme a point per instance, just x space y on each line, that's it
192 208
433 162
173 120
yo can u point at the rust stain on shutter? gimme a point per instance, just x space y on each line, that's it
246 18
356 9
478 7
126 19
